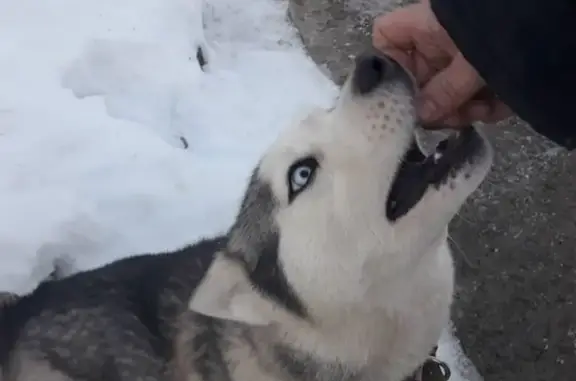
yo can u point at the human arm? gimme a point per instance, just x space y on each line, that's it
525 50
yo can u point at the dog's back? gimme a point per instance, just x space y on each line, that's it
118 318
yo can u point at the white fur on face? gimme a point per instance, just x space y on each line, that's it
377 293
337 228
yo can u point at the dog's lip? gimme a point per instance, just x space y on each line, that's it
409 74
418 172
449 152
403 65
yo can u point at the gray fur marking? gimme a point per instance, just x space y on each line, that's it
254 227
256 230
209 345
306 367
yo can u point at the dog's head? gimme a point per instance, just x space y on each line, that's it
341 200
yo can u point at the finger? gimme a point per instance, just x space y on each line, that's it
423 70
491 111
404 58
414 62
394 30
455 121
418 65
449 89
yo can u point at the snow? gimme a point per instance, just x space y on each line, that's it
94 98
98 100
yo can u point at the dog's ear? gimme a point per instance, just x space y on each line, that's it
227 293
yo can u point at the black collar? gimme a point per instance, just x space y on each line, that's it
433 369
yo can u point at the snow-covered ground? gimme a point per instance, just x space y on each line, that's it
98 100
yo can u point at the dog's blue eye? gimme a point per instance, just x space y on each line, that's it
300 175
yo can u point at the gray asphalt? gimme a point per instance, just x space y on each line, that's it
515 240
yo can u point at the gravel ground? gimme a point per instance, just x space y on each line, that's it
515 309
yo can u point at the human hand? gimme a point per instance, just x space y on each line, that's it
452 92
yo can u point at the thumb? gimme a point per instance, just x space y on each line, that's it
449 89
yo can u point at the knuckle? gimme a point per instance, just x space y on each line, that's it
448 90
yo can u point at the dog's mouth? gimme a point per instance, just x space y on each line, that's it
418 172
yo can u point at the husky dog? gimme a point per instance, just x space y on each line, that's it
336 268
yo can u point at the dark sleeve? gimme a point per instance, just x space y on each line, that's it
526 52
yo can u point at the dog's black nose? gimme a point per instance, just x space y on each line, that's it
370 71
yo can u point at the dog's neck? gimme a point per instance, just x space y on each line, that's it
305 354
376 334
339 279
363 334
359 351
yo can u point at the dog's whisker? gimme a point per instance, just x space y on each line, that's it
462 252
461 217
